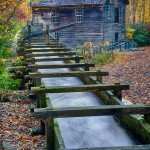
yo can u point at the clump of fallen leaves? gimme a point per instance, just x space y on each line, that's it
17 122
134 70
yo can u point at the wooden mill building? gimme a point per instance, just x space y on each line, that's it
79 21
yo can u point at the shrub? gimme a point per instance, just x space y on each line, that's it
103 58
142 36
7 83
130 33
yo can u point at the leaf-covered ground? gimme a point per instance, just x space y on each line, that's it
134 69
17 122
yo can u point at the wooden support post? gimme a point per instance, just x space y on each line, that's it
29 33
99 78
47 34
147 118
118 92
77 60
86 68
42 104
42 100
38 82
50 139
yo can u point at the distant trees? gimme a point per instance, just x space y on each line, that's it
138 12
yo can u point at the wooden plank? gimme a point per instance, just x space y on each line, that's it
45 46
67 74
50 54
62 27
46 50
77 65
55 59
102 110
134 147
79 88
52 46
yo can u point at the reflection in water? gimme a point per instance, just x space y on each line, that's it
84 132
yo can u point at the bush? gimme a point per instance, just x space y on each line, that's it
142 36
7 83
130 33
103 58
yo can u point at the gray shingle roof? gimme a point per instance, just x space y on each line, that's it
56 3
67 2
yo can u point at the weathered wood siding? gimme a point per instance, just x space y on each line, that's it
110 27
91 29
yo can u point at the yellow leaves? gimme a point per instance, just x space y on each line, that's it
106 43
35 1
130 33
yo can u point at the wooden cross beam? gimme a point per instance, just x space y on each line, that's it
103 110
40 54
134 147
68 74
45 46
75 58
81 88
77 65
46 50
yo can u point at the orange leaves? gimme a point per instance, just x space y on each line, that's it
18 122
133 69
14 9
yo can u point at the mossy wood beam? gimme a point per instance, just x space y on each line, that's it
52 46
44 45
77 65
49 54
103 110
134 147
46 50
75 58
63 89
68 74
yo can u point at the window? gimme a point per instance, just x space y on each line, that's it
35 18
55 35
54 16
108 12
121 12
116 15
79 15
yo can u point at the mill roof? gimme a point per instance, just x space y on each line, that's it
57 3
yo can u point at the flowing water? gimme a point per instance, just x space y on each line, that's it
84 132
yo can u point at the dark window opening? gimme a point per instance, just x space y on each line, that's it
116 15
116 38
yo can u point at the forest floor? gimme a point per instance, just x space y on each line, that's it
132 68
16 121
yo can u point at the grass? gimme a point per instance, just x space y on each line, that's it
105 58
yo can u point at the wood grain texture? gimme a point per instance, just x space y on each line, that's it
81 88
91 111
